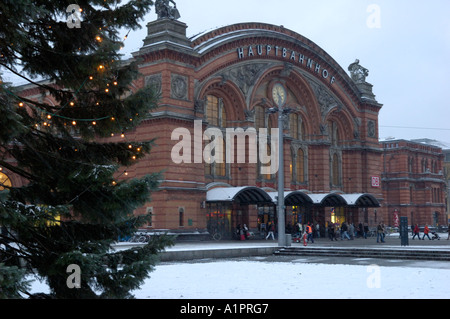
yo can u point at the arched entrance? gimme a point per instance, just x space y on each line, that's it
231 207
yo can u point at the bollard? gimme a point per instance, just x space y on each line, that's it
288 240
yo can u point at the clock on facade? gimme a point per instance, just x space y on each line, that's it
279 94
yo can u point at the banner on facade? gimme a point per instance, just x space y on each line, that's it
396 219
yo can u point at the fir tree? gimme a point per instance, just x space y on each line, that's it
74 204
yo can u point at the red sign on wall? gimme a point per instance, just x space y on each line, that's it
376 181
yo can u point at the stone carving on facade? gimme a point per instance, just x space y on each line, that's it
371 131
154 81
357 72
250 115
199 106
165 11
288 68
326 101
244 76
179 87
323 129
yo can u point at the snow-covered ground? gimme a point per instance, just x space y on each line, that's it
297 279
294 280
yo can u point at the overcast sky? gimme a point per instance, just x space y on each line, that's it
404 44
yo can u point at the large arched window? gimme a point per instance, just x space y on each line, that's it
5 182
263 120
297 127
216 114
217 168
260 117
335 165
300 166
293 119
259 166
334 133
269 152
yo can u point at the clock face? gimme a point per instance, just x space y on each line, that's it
279 94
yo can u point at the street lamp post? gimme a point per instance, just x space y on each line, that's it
280 203
279 96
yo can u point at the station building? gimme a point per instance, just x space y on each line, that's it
227 79
220 89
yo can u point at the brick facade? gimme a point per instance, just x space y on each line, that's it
238 64
413 182
330 138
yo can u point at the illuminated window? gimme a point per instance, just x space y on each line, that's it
214 167
294 126
5 182
215 112
300 166
297 127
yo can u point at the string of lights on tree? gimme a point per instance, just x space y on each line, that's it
48 116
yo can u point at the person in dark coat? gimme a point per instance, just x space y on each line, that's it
331 232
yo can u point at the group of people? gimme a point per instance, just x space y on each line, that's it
308 228
426 232
342 231
334 231
242 232
347 231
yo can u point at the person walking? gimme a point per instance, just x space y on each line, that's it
351 231
299 229
246 232
271 230
366 230
344 231
416 232
380 232
426 232
241 233
331 232
309 231
360 230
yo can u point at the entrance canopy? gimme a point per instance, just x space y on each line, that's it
254 195
294 198
243 195
361 200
